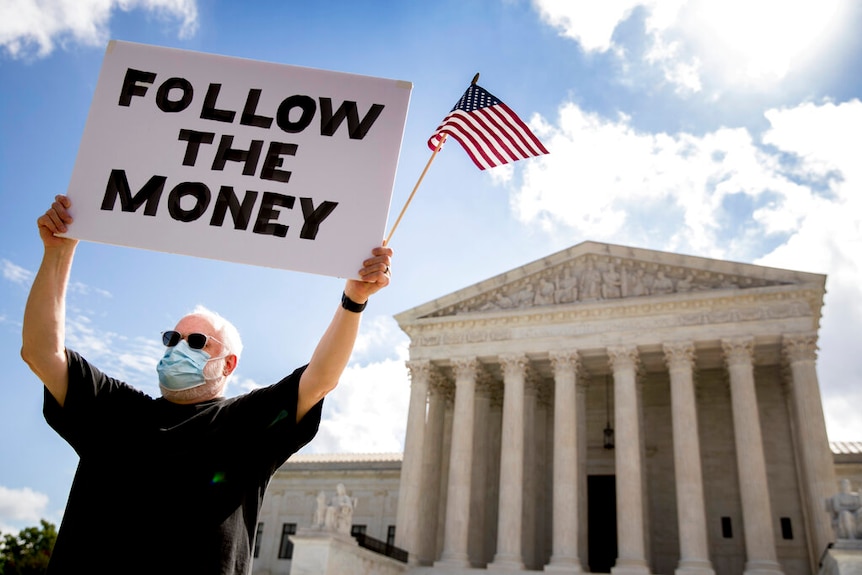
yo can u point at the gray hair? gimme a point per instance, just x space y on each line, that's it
225 331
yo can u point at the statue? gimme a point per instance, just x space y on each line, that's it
611 283
590 283
567 290
337 515
662 284
846 510
545 295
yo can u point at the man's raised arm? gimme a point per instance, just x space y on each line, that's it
43 347
333 351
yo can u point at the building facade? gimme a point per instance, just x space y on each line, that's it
603 409
702 375
290 503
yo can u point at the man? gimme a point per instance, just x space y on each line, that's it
173 484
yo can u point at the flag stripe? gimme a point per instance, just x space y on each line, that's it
469 139
488 130
497 133
518 126
476 125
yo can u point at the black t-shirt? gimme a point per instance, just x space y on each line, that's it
163 488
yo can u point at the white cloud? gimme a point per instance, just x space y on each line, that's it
367 412
733 44
605 180
15 273
591 24
32 27
20 507
379 337
787 198
842 416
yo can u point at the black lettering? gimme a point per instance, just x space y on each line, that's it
195 139
313 217
210 112
249 117
118 185
282 116
267 214
249 157
132 87
274 160
201 194
241 213
330 122
163 100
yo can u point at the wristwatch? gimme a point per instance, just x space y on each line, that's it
351 305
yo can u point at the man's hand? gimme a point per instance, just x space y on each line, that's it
375 274
56 221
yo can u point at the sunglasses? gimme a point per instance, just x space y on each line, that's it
195 340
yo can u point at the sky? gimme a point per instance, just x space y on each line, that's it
726 130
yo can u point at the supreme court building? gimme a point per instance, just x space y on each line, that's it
616 409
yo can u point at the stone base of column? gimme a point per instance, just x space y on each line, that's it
564 565
762 568
459 561
694 567
506 563
630 567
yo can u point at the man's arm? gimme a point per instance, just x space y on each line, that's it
43 336
333 351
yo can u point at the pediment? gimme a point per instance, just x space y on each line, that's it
593 272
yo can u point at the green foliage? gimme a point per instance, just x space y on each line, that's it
28 552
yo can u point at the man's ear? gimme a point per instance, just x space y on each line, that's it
230 364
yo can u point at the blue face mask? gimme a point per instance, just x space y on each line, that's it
182 367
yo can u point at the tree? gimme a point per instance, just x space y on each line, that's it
28 552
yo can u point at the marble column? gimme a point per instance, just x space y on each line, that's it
583 516
691 510
565 506
481 449
438 395
510 508
761 558
815 456
629 464
455 537
409 495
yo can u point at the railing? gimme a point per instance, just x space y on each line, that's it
823 555
381 547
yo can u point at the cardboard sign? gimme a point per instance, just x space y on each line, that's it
238 160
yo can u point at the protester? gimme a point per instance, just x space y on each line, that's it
173 484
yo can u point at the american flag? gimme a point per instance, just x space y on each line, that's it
488 130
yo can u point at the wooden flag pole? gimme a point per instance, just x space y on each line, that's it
422 175
416 187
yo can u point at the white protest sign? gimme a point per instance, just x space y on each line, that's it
238 160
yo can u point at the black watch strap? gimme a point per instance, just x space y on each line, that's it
351 305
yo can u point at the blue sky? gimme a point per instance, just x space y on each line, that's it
729 130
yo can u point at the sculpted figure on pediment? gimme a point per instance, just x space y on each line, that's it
523 297
662 284
591 280
685 284
636 285
611 283
500 301
545 295
567 287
